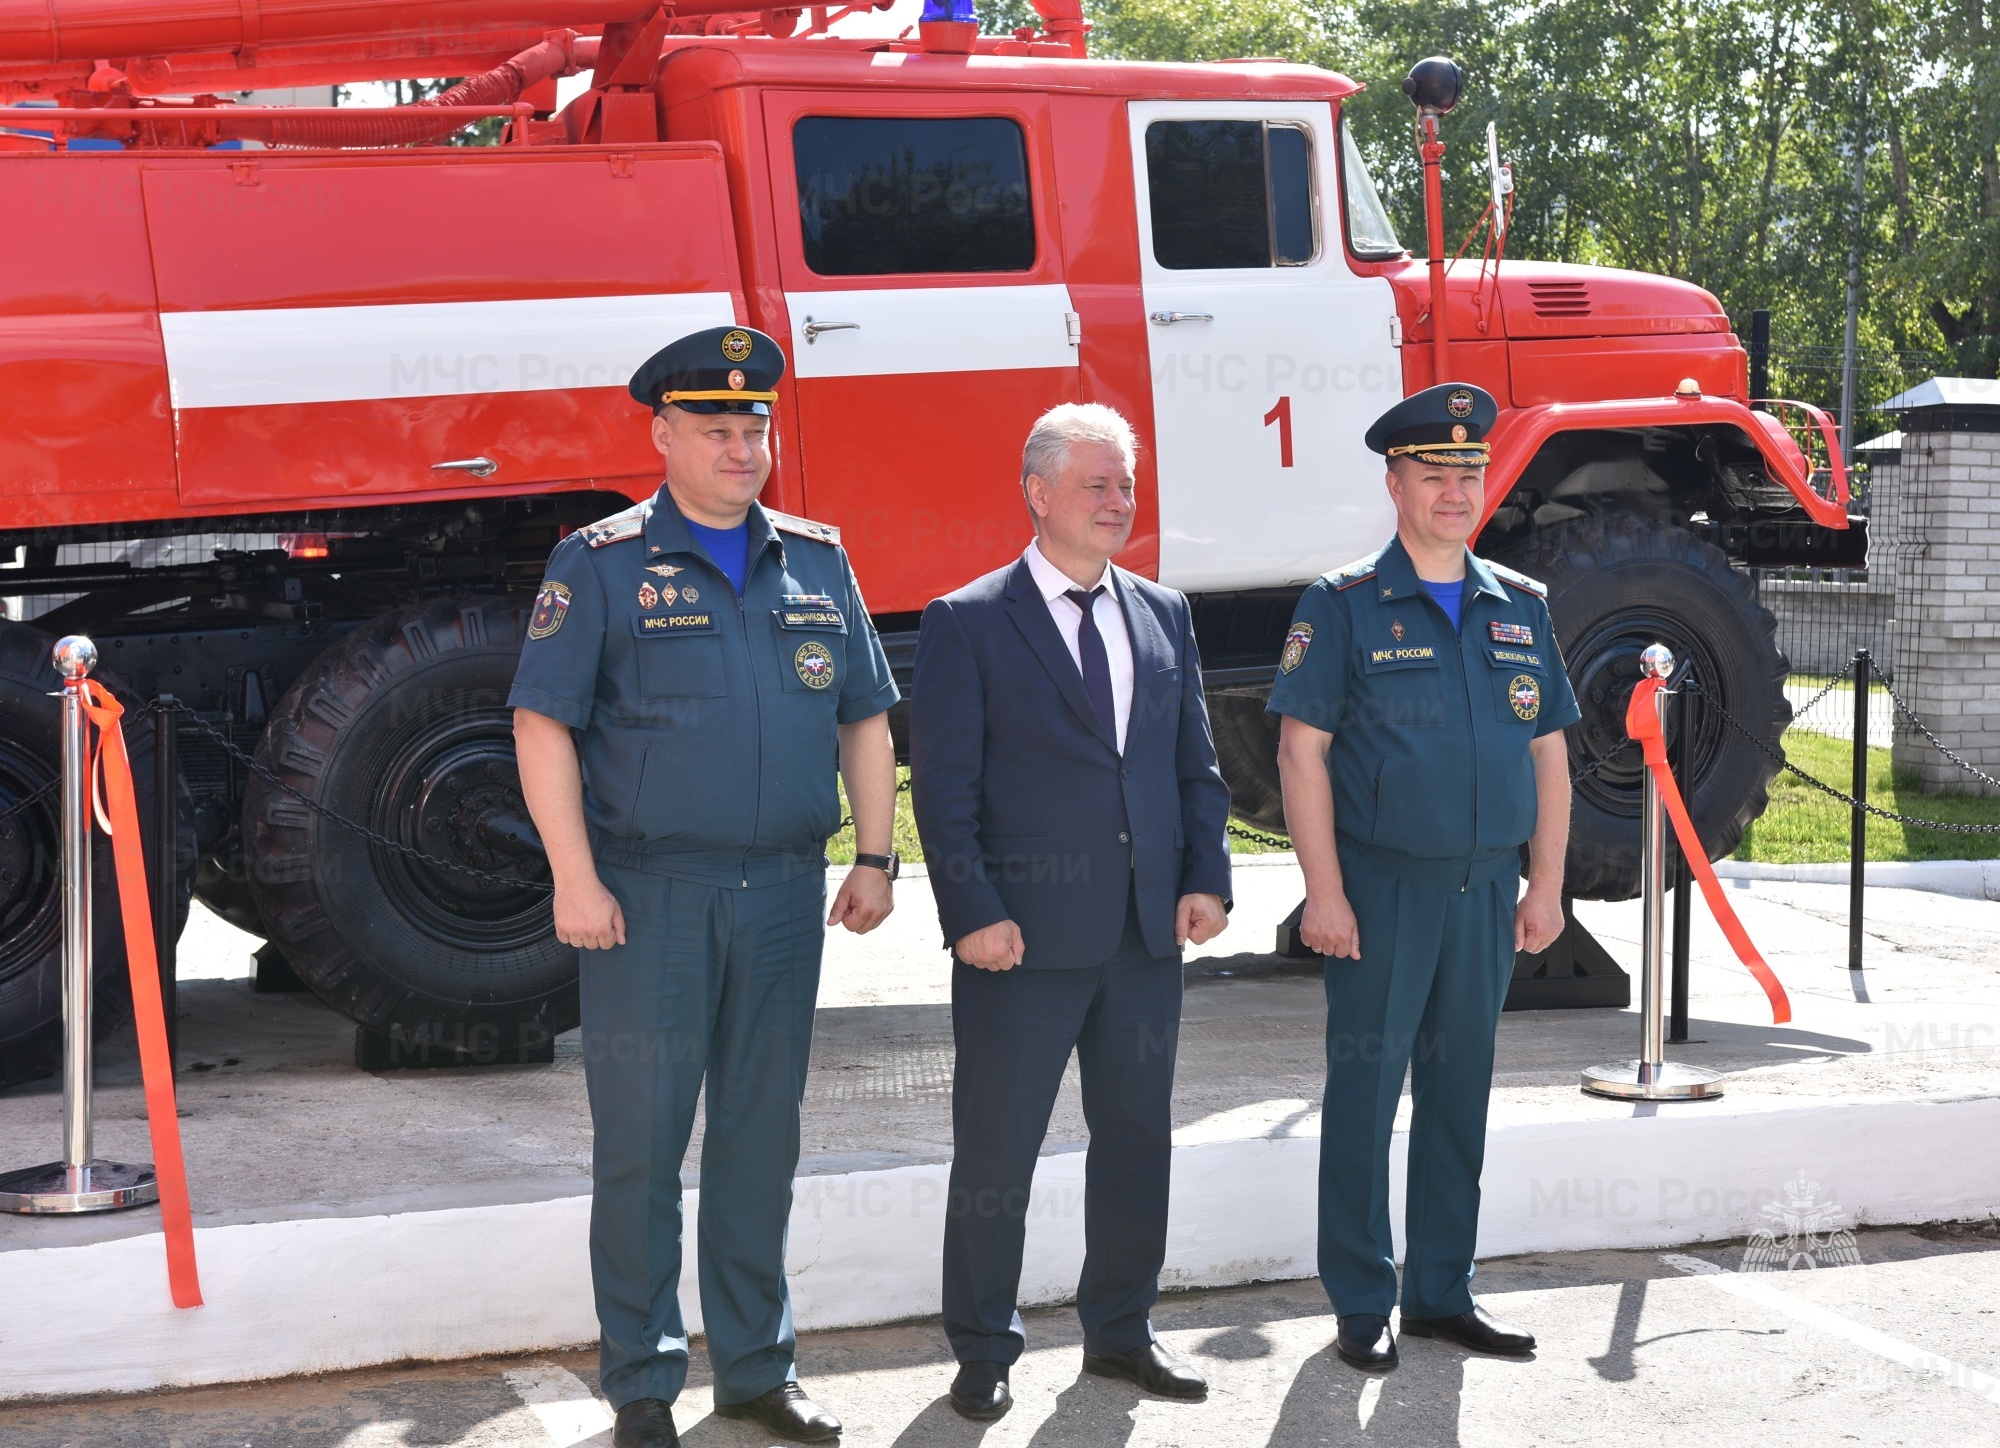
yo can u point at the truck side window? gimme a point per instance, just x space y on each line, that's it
1370 234
879 195
1231 194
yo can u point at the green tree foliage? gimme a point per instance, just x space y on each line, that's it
1712 140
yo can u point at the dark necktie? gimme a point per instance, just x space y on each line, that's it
1095 663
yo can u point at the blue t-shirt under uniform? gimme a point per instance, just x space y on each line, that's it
1450 597
729 547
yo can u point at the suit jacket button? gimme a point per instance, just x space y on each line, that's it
1123 838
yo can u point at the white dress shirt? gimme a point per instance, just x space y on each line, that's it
1110 617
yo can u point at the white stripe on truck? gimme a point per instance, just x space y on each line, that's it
276 356
924 330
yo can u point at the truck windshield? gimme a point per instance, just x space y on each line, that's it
1370 234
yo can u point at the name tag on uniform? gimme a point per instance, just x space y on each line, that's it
651 625
1399 658
1514 658
810 615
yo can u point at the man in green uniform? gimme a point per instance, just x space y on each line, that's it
696 666
1422 702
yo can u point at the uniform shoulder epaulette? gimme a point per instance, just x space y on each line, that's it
804 527
1519 580
617 528
1349 574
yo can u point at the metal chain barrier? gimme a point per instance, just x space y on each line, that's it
394 846
1602 761
1777 757
1259 837
34 797
1807 707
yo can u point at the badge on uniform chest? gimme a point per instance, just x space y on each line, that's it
815 664
1510 633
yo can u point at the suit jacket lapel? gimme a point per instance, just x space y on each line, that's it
1030 612
1151 652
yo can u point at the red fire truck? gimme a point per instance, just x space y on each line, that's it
297 402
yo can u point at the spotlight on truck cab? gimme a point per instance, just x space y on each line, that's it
1434 84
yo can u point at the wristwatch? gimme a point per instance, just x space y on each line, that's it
888 864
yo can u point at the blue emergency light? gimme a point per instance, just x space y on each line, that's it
960 10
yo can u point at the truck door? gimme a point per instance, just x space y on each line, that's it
929 324
1269 356
338 326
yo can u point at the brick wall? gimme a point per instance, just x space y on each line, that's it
1947 595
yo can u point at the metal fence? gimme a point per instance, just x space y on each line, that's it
1824 615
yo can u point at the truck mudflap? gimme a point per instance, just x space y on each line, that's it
1797 441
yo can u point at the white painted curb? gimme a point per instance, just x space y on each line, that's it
323 1294
1968 879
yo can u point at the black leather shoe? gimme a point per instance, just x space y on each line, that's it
980 1391
788 1412
1364 1340
645 1423
1153 1368
1477 1329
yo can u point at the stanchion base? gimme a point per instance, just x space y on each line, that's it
1671 1082
53 1190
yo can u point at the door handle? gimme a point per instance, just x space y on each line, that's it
812 329
478 467
1167 319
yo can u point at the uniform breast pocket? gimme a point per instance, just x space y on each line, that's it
680 656
1402 689
1519 679
812 648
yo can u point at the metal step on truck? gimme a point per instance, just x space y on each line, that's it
297 400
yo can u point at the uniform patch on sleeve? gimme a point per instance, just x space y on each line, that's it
550 606
1296 643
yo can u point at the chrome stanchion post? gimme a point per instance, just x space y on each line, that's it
79 1182
1653 1077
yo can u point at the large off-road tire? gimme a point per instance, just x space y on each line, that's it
403 726
1617 583
1246 748
31 1024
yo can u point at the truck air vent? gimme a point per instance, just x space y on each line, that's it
1560 299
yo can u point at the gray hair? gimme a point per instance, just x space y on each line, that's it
1062 427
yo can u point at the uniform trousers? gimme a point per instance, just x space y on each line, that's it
1014 1032
1426 996
718 982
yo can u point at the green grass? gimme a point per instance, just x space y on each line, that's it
1803 826
840 849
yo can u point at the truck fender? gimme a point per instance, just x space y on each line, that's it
1521 432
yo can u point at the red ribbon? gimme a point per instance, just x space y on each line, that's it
1642 722
148 1011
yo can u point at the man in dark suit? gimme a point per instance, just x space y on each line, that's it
1072 817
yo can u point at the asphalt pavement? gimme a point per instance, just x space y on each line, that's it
1877 1337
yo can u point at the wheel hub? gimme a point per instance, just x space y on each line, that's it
452 780
1604 669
